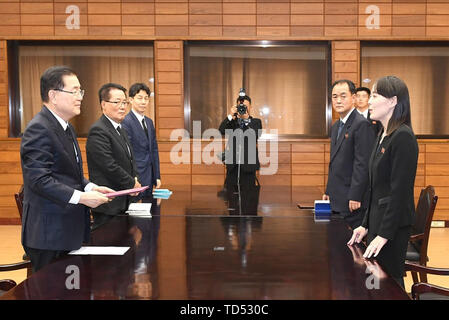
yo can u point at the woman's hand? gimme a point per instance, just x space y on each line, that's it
374 247
358 235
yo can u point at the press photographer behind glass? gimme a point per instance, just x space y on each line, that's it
242 130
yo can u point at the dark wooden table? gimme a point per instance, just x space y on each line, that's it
204 243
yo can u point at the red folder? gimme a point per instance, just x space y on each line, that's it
125 192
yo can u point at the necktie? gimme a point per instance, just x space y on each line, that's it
123 138
340 128
145 127
72 142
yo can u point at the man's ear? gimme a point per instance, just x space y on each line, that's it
52 96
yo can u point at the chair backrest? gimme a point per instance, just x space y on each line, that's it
19 201
7 284
424 215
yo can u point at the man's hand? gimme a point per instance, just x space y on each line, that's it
93 199
136 185
325 197
233 111
354 205
158 183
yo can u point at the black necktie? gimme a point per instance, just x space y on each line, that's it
340 128
145 127
72 142
123 138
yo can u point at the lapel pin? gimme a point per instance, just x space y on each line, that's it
382 150
346 136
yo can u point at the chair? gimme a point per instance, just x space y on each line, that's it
19 201
424 290
419 240
7 284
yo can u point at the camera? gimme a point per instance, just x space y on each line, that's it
241 108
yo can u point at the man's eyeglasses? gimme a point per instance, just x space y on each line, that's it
119 103
75 93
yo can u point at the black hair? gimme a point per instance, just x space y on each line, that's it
103 93
51 79
350 84
363 89
392 86
137 87
241 99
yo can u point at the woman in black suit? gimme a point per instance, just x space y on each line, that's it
392 170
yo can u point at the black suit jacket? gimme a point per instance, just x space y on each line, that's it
392 172
145 149
247 165
348 166
110 163
50 176
375 125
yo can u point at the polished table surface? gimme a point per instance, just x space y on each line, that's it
204 243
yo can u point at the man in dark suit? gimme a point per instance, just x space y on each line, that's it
56 194
142 136
109 153
351 144
243 131
361 103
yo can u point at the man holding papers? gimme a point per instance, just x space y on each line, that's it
56 195
109 154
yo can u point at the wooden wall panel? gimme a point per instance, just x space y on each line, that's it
131 19
169 86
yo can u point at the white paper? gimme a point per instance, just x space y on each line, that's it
107 251
137 206
139 209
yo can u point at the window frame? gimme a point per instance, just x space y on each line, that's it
405 44
14 76
259 43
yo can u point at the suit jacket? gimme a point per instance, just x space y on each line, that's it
348 166
145 148
392 171
246 164
375 125
110 163
50 176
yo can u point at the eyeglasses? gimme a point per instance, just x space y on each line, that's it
75 93
119 103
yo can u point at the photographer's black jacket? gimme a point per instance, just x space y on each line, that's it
253 124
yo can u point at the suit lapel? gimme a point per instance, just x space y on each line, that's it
343 134
60 133
138 125
116 135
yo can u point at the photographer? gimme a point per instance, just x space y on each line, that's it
242 130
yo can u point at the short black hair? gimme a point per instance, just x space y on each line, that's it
103 93
241 99
51 79
350 84
137 87
363 89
